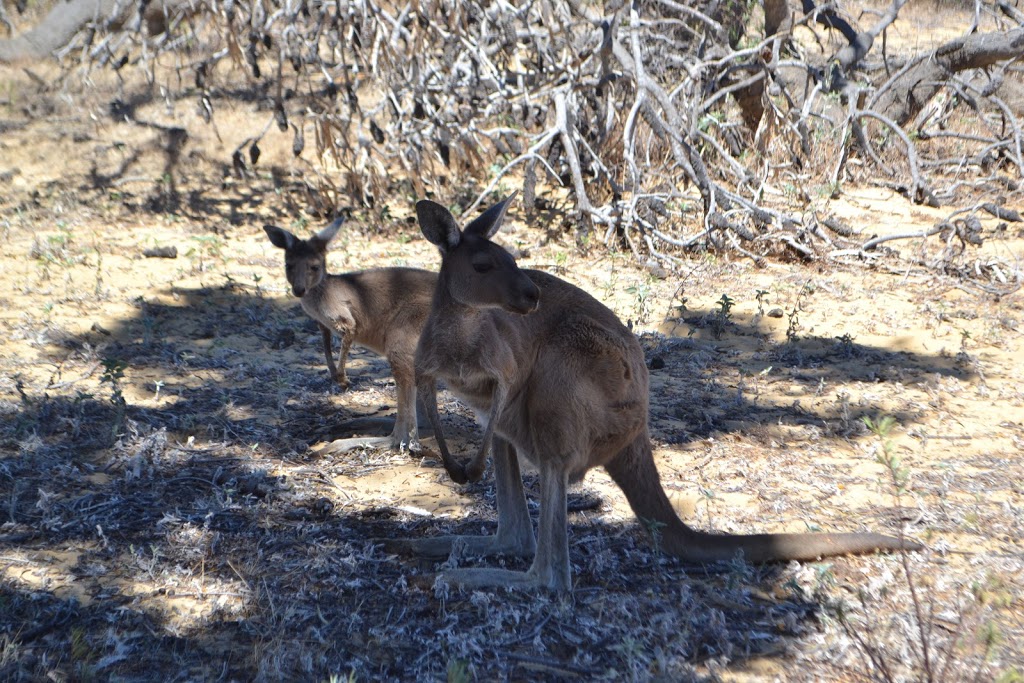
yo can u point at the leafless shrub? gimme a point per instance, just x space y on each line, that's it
669 125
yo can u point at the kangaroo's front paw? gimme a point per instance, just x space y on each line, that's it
455 469
342 381
475 470
457 472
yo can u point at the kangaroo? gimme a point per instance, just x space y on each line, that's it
382 309
562 381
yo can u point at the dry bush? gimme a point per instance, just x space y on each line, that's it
670 126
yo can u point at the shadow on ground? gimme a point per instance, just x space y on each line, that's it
128 548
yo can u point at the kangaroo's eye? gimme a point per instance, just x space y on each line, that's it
315 269
483 267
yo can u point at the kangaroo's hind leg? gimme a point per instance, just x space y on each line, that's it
515 535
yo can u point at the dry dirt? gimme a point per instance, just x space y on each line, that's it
162 515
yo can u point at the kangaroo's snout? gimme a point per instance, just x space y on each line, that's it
529 298
526 299
299 290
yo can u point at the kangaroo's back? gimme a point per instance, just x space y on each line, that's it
387 303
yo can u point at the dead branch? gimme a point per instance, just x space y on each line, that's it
917 234
1001 212
919 190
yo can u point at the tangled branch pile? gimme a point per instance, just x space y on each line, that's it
671 126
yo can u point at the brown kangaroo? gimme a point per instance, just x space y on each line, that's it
562 381
382 309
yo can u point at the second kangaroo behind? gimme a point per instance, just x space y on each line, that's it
383 309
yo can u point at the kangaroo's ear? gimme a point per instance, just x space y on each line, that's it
280 237
324 237
438 225
487 223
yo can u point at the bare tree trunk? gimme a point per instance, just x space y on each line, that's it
750 99
777 17
905 97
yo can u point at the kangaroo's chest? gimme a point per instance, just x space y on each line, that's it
469 383
337 314
463 368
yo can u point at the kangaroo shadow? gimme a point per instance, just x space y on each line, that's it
202 563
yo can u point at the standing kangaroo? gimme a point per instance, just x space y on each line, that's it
562 381
382 309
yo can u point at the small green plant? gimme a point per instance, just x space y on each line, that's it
793 326
98 287
633 651
793 316
939 653
722 316
844 345
654 528
794 588
458 671
965 336
208 248
707 121
584 241
10 647
1011 675
887 456
761 296
641 294
62 240
81 652
54 250
824 578
113 373
612 285
739 572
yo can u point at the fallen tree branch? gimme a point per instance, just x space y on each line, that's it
919 191
626 110
1001 212
66 19
872 243
904 97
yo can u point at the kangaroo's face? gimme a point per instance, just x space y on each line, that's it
305 261
304 266
481 274
476 271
